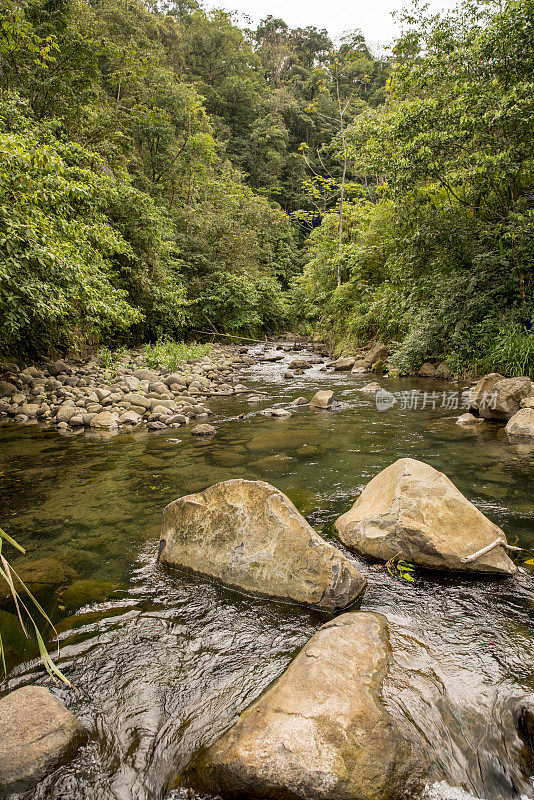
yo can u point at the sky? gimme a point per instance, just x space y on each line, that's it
372 17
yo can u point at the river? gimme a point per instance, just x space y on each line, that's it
162 663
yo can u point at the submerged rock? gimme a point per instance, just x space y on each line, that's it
249 535
42 577
522 423
468 419
37 735
321 732
371 388
412 511
323 399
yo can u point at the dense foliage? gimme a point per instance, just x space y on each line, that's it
150 164
437 249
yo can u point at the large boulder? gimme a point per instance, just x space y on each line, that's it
37 735
322 731
376 354
42 577
344 363
412 511
495 397
324 399
7 389
249 535
522 423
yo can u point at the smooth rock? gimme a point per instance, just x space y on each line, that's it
104 419
249 535
7 389
145 375
299 363
371 388
345 363
496 397
522 423
322 731
203 430
323 399
37 735
468 419
412 511
299 401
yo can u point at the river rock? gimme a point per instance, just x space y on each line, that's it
145 375
41 576
204 430
345 363
522 423
104 419
495 397
371 388
468 419
7 389
299 401
379 352
323 399
299 363
249 535
322 731
37 735
58 367
412 511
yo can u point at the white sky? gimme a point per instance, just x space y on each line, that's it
372 17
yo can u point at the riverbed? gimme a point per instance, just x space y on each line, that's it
163 663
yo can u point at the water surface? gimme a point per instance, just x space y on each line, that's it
163 663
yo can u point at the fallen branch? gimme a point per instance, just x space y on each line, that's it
500 542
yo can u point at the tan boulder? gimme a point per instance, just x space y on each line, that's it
323 399
522 423
427 370
322 731
379 352
37 735
496 397
527 402
249 535
412 511
344 363
104 419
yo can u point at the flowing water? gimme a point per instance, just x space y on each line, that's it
163 664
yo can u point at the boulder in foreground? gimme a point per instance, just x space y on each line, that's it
37 735
412 511
250 536
321 732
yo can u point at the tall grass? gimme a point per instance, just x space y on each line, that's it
170 355
512 352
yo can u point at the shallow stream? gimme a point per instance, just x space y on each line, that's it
162 663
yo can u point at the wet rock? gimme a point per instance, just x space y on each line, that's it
299 401
288 375
343 364
524 719
411 510
522 423
371 388
323 399
249 535
203 430
468 419
255 399
104 419
278 463
299 363
322 731
275 412
41 576
37 735
82 592
427 370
